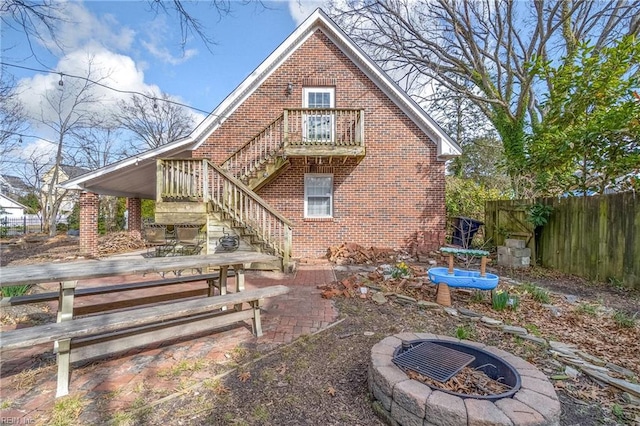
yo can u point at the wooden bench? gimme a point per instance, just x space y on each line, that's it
99 335
67 308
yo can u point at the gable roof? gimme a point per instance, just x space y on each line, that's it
10 203
103 181
14 183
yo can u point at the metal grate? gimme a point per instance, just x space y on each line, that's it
432 360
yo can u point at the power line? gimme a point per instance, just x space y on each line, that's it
131 92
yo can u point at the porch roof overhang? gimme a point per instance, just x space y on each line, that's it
133 177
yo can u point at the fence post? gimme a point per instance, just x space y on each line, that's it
24 225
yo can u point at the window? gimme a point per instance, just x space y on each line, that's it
318 195
318 126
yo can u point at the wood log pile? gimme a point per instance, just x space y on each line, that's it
350 253
118 243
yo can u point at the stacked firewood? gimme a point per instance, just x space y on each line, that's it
118 242
350 253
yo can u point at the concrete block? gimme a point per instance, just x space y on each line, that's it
523 252
505 260
485 413
503 250
405 417
445 410
412 396
515 243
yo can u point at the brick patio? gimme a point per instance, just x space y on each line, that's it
28 377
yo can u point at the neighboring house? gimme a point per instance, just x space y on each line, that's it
11 209
13 185
317 147
70 198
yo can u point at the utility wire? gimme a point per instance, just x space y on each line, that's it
131 92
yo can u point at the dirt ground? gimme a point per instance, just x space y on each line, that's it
321 379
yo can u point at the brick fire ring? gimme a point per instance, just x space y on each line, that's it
406 402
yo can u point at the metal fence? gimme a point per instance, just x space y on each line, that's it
13 226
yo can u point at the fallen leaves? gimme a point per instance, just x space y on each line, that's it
331 391
244 376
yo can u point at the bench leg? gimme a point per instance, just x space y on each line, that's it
65 313
211 282
64 367
223 283
256 322
65 301
239 282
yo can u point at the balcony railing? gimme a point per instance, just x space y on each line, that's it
338 127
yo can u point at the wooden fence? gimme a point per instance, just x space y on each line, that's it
594 237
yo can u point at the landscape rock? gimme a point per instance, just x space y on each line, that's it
571 298
428 305
469 313
490 321
520 331
571 372
379 298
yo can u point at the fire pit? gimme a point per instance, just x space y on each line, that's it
400 363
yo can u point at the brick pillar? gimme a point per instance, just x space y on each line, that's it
134 206
89 208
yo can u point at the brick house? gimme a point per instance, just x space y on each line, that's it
318 146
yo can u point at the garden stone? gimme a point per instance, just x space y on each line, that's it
555 311
620 370
571 372
451 311
571 298
469 313
535 339
379 298
428 305
520 331
630 399
490 321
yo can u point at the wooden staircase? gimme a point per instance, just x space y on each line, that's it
202 192
224 197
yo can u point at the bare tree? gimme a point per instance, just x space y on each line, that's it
39 19
484 49
65 110
12 117
153 121
97 146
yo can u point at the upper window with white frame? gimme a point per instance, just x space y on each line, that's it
318 195
319 126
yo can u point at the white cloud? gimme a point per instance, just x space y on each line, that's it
165 55
40 151
157 41
78 27
94 62
301 9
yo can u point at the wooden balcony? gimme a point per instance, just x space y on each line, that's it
321 133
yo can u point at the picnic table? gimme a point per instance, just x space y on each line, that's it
177 316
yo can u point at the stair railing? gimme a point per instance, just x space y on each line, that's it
252 155
202 180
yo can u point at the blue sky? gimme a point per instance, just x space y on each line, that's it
135 49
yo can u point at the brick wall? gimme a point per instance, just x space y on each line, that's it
89 207
393 198
134 206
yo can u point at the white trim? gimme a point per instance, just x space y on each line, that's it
306 196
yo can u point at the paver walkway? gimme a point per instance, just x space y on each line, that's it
28 377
